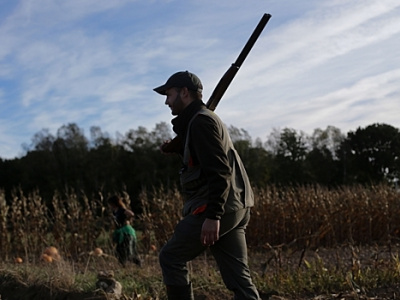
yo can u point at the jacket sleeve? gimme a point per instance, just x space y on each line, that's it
207 150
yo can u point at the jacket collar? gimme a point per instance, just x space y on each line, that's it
180 123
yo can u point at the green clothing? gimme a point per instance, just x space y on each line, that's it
126 240
120 233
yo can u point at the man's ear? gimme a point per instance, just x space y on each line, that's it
184 92
185 96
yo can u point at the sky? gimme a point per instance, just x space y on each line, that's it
318 63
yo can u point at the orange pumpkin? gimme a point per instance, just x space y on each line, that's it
98 252
46 258
18 260
52 252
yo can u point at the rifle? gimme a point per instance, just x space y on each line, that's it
175 144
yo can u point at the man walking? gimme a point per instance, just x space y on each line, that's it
217 194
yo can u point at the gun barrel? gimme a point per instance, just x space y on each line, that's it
226 80
252 40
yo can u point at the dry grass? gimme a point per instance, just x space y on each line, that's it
303 241
316 217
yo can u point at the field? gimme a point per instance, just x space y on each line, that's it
304 243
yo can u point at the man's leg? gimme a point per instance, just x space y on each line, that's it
184 246
177 292
230 253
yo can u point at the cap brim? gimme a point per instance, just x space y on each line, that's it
161 89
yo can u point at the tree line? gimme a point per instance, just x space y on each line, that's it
132 162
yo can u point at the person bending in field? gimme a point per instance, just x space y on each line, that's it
124 236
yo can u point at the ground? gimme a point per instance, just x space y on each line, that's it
13 290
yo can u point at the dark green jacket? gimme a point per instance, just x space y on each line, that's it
213 173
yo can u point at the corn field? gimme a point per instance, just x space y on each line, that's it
296 217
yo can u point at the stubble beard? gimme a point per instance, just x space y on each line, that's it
177 106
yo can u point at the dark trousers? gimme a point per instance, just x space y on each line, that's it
127 251
230 252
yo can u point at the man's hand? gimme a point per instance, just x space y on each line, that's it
209 232
165 145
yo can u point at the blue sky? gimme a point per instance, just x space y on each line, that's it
95 63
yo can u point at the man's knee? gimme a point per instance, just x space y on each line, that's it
168 258
162 257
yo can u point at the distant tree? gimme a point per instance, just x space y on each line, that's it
255 158
322 167
103 163
167 166
259 165
237 134
11 171
133 161
330 139
98 138
242 141
322 162
70 151
40 173
39 167
72 137
289 149
149 168
371 154
161 133
42 141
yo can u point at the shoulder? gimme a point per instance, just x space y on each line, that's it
206 117
207 121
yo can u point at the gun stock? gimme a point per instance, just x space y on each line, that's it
175 145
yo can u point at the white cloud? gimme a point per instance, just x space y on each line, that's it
95 62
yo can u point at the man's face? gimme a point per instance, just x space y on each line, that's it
174 101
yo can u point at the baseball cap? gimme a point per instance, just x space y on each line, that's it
180 80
